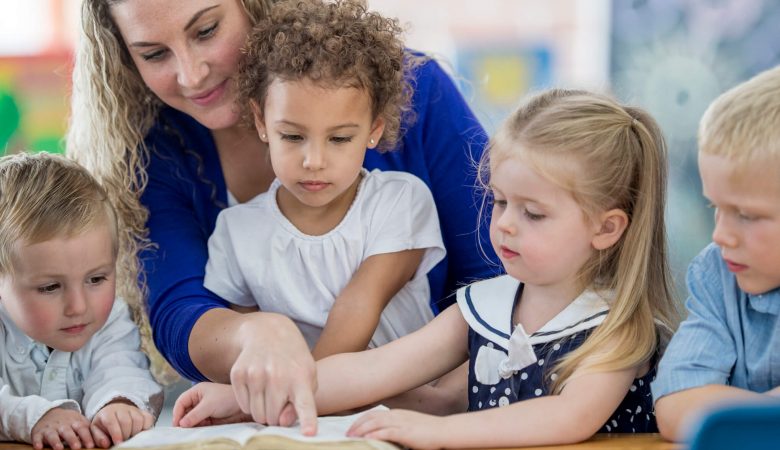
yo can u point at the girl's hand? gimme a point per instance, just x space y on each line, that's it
60 425
207 404
408 428
118 421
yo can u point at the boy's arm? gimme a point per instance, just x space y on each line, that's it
351 380
355 314
585 404
696 367
119 370
19 414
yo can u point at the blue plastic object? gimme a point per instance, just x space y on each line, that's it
743 427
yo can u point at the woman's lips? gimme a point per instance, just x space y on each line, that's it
211 96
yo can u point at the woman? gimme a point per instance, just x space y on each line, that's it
154 117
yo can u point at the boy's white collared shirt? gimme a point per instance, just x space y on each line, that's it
34 380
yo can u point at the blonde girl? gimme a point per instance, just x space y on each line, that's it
565 344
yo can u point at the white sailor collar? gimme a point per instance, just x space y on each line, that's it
487 307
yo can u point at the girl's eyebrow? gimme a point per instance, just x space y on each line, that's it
331 129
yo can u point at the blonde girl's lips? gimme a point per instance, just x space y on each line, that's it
508 254
211 96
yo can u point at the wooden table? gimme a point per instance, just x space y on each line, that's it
600 441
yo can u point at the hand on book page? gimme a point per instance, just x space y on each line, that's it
253 436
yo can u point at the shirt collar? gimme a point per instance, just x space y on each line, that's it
767 303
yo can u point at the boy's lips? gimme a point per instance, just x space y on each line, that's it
734 267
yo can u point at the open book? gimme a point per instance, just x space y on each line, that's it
331 433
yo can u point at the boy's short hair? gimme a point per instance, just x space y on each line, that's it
43 196
743 123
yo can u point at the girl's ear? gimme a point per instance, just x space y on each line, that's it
377 128
612 225
257 114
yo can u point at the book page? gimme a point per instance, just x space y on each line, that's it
331 429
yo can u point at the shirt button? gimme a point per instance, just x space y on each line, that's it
20 350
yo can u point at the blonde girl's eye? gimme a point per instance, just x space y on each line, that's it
97 279
48 288
341 139
533 216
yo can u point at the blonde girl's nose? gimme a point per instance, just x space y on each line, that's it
723 234
75 302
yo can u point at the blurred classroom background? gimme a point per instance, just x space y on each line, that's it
670 56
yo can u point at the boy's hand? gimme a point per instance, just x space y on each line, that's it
207 404
117 421
60 425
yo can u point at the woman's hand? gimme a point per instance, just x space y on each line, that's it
274 376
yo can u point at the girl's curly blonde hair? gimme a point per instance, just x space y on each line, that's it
112 110
338 43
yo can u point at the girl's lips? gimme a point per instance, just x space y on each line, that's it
734 267
508 254
210 96
314 186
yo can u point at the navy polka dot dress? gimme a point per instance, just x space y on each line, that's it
507 367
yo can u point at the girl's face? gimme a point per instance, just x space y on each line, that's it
62 290
537 228
187 53
317 138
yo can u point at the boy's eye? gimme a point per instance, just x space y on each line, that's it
48 288
291 137
208 31
97 279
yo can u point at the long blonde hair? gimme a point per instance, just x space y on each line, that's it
112 110
607 156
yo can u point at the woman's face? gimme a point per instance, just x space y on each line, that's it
187 52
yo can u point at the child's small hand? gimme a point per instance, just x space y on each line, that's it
207 404
60 425
408 428
118 421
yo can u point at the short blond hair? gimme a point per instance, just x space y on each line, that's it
742 123
43 196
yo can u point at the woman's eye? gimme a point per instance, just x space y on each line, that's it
207 32
153 56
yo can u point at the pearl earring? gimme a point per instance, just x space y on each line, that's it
371 141
263 136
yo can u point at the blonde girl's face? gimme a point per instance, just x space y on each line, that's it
537 228
62 290
317 137
187 53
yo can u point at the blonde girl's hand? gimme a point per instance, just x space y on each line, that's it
408 428
118 421
61 426
207 404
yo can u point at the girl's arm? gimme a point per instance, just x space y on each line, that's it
351 380
356 311
581 409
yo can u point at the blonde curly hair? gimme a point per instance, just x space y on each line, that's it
112 110
334 43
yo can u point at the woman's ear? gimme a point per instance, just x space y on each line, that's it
257 115
377 128
612 224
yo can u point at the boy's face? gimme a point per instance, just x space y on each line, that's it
747 219
62 290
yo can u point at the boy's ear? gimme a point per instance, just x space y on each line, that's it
377 128
257 115
612 225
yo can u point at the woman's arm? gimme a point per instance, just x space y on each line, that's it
351 380
356 311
